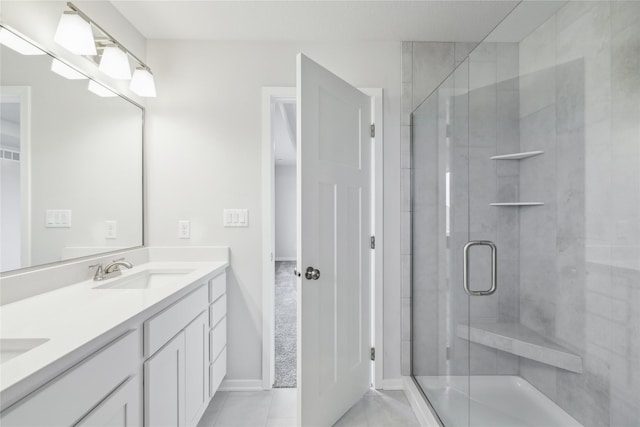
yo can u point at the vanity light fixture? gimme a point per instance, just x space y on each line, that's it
115 63
142 83
74 33
66 71
110 55
100 90
17 43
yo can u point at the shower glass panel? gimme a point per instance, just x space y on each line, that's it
440 151
533 144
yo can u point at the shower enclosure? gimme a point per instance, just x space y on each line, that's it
525 272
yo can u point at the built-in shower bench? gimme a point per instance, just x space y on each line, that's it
517 339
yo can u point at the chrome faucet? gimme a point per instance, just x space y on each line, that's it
110 270
115 266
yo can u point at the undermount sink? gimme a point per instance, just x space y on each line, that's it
14 347
145 279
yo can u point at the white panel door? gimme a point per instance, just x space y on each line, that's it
334 157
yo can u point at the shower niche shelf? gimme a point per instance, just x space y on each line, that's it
518 204
517 339
516 156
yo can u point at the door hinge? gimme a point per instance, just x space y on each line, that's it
373 242
373 130
373 353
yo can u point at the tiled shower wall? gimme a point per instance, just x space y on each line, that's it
580 256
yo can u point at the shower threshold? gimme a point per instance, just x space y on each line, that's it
496 401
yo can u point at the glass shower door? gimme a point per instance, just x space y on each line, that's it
440 222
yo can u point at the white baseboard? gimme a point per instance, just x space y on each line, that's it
420 408
241 385
392 384
284 258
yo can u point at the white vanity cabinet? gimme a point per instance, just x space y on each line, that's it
104 389
176 376
217 332
161 370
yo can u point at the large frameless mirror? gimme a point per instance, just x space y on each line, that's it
71 162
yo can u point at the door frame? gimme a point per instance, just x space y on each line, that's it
268 234
22 94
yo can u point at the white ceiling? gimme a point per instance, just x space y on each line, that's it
323 20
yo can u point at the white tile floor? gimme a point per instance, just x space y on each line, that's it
277 408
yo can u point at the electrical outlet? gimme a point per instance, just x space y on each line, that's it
184 229
110 229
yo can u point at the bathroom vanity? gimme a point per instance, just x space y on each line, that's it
145 348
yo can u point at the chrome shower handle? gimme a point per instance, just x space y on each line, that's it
494 268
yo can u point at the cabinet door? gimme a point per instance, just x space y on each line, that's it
164 397
196 369
120 409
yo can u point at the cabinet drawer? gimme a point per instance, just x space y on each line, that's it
217 339
165 325
217 287
217 371
217 310
70 396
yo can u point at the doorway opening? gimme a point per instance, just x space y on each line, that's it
283 134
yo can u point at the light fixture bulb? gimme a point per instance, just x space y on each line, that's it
115 63
66 71
20 45
75 34
142 83
100 90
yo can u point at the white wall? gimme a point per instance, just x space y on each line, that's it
285 212
204 155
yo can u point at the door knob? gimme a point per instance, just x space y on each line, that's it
312 273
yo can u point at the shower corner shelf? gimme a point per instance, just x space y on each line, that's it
519 340
518 204
516 156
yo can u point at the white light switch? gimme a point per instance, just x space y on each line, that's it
184 229
57 218
110 229
236 218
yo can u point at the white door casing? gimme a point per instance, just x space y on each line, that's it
333 186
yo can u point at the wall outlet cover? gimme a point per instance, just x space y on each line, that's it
184 229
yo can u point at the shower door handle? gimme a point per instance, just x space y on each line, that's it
494 268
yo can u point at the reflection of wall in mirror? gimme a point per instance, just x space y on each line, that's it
10 180
85 156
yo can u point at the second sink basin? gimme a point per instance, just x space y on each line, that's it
145 279
14 347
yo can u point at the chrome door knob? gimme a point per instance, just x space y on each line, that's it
312 273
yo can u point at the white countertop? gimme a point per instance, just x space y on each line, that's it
74 316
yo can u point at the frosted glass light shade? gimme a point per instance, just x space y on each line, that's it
143 84
66 71
10 40
100 90
115 63
75 35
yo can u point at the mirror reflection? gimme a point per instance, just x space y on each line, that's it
71 164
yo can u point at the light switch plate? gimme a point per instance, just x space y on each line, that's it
184 229
236 218
57 218
110 229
